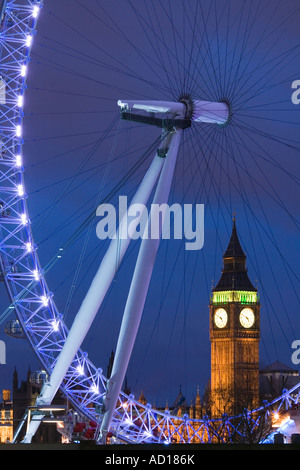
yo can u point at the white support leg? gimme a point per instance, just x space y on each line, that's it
138 292
94 297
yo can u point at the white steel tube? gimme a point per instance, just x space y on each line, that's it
94 297
175 108
138 292
214 112
210 112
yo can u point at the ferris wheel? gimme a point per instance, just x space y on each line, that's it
211 92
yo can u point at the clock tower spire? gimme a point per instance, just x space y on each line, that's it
234 335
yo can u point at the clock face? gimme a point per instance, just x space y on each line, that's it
220 318
247 318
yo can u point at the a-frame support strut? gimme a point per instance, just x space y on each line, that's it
173 113
138 290
95 295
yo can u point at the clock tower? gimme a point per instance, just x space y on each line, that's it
234 335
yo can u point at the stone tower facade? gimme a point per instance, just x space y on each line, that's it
234 335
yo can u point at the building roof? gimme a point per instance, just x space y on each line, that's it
277 377
234 248
278 366
180 401
234 273
234 281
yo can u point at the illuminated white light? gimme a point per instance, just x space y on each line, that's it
20 101
29 247
35 11
36 274
55 325
94 388
24 219
44 300
128 422
18 130
28 41
23 70
80 369
18 160
20 190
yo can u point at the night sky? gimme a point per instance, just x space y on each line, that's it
89 54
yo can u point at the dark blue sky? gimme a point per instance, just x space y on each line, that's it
87 55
